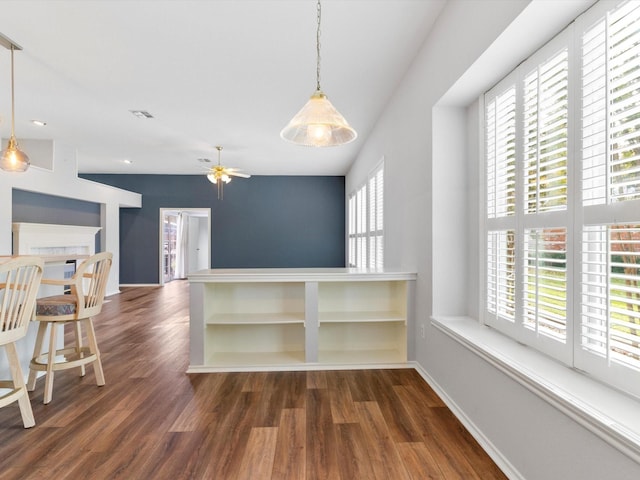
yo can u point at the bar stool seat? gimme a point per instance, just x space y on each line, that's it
57 305
88 287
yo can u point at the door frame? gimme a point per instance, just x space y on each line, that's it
192 212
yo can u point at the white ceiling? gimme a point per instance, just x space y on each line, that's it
224 72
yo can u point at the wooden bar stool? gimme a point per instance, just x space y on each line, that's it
88 286
19 282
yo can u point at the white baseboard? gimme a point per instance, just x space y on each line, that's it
496 455
293 368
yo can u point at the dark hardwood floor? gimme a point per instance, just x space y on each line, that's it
153 421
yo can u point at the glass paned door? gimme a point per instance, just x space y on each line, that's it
169 236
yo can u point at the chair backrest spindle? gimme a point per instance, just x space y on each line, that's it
91 293
19 281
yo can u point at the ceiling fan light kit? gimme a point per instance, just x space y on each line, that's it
220 175
318 123
12 159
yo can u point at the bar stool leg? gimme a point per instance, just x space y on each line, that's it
42 329
51 360
18 383
78 333
93 347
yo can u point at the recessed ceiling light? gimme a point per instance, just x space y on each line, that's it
127 161
141 113
39 123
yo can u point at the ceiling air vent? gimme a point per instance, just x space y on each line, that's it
141 113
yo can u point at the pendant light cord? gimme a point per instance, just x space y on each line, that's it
13 101
318 49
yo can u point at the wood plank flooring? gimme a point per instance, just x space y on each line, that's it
153 421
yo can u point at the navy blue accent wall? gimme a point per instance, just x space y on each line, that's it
32 207
262 222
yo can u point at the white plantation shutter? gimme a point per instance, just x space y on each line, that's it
501 282
352 231
357 236
611 107
376 205
501 154
501 175
361 226
624 102
545 282
594 117
546 132
366 232
610 297
624 295
609 336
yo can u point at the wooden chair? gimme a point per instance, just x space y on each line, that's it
19 282
88 286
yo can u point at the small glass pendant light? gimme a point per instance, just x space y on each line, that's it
12 159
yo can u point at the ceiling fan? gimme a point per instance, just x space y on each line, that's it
220 174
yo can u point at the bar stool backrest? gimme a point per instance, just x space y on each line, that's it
19 281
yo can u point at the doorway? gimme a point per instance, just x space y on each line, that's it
185 242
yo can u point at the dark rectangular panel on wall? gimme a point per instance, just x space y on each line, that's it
262 222
32 207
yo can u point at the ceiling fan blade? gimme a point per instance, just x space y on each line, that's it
238 174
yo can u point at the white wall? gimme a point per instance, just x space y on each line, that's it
62 181
430 143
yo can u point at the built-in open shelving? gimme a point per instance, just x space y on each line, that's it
279 318
362 322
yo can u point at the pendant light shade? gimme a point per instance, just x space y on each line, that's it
318 123
12 159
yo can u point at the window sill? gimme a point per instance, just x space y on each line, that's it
608 413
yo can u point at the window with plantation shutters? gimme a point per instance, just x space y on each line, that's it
609 337
366 233
562 220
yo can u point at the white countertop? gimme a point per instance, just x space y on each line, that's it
298 275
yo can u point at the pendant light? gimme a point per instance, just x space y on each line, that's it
12 159
318 123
